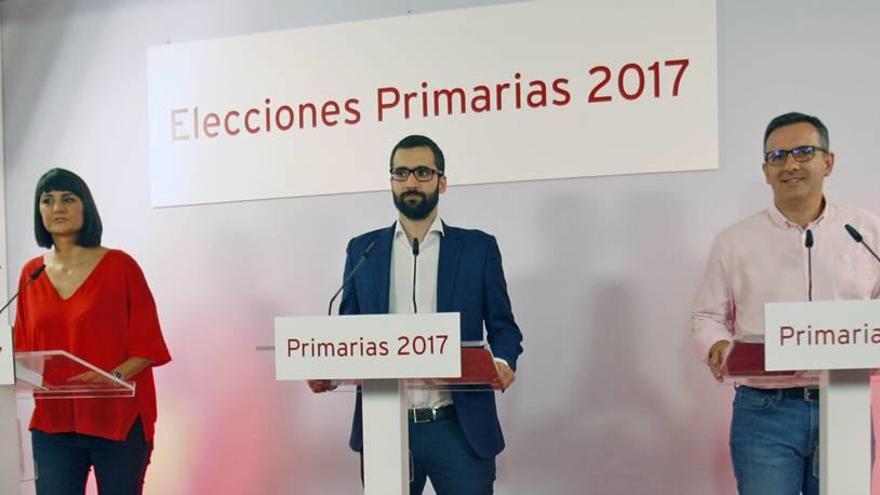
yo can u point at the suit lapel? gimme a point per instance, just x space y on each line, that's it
447 267
382 268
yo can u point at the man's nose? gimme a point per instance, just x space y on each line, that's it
790 163
411 181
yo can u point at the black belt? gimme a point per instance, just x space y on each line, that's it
428 414
808 394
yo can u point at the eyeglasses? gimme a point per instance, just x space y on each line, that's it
423 174
800 154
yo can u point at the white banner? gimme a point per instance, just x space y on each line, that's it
824 335
7 356
368 346
531 90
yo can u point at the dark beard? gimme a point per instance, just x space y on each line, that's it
420 210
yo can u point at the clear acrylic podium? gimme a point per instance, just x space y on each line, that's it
51 375
44 375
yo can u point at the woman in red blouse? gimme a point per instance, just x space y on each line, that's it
94 303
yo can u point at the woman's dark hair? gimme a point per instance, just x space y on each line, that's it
59 179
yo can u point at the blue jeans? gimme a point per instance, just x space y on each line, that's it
62 462
774 443
441 452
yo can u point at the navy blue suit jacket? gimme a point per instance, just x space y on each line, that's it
470 281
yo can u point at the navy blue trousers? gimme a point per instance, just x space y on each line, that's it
440 452
63 460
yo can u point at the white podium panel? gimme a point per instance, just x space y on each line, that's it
368 347
822 335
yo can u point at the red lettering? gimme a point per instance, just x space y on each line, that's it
330 109
247 121
559 87
211 121
176 123
424 99
518 90
268 114
289 111
195 122
540 91
450 95
302 115
292 345
499 94
407 97
682 66
785 333
229 129
382 104
352 109
606 76
640 81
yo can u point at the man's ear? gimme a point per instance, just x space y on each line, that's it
829 163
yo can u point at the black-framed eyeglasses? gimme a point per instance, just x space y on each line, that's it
800 154
422 174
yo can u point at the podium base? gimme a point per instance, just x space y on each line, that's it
845 432
386 438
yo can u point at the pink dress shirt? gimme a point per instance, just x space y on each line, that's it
763 258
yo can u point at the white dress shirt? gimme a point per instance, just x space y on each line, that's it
400 293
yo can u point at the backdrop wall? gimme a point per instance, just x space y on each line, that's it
610 398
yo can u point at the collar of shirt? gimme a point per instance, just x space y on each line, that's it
780 221
436 226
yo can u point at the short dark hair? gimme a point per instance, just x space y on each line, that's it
59 179
417 141
797 118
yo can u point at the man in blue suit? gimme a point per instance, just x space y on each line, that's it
421 264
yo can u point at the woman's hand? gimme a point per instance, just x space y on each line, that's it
89 377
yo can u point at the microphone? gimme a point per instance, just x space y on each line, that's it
354 270
861 240
808 242
33 276
415 251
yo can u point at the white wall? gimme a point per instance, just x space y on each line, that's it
609 399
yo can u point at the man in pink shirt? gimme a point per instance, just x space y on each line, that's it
796 250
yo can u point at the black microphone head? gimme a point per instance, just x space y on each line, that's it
853 233
415 246
39 271
809 240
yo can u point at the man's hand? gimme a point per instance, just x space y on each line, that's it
319 386
506 376
716 357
